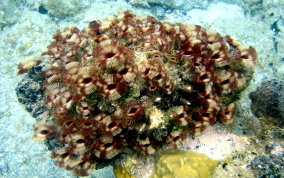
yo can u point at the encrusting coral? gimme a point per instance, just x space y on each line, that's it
136 84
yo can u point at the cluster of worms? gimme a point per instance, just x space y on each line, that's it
132 83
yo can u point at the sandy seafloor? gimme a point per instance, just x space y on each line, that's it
26 32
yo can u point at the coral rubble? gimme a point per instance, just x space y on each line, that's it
268 166
134 84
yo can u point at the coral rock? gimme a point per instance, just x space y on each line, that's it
268 99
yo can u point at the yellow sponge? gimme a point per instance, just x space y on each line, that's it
125 170
183 164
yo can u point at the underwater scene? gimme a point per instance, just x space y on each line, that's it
142 89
